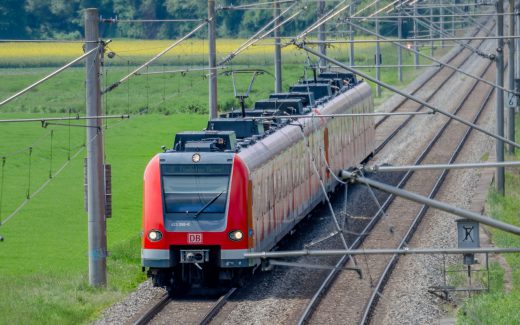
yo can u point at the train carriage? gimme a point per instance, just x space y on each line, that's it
215 197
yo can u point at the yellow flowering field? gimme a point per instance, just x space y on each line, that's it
46 54
22 54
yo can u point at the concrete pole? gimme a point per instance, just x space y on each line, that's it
277 52
441 23
399 49
213 109
431 29
97 240
511 65
378 53
517 58
351 35
415 35
452 22
500 172
321 34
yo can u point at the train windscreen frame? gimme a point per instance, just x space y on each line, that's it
195 189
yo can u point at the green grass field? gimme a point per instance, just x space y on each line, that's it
44 253
43 261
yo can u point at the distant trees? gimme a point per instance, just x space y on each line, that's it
63 19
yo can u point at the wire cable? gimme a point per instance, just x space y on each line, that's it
49 76
147 63
259 36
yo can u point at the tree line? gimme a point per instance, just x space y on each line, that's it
63 19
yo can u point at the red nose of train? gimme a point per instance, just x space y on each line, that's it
196 209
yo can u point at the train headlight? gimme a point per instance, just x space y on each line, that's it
155 235
195 158
236 235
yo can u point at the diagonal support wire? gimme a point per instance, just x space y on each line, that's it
259 36
147 63
49 76
445 64
412 97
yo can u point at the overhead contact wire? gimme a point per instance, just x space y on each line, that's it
255 38
147 63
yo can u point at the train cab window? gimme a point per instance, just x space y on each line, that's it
195 189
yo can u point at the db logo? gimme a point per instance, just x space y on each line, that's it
194 238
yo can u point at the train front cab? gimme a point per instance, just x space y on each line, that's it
196 220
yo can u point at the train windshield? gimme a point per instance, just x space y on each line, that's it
195 189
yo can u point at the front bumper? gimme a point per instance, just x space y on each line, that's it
163 258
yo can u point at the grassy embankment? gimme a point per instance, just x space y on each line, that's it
499 306
43 258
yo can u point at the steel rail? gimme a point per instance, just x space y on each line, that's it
404 100
215 309
418 218
302 46
414 98
157 307
154 310
313 303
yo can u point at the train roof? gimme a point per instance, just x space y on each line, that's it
243 128
194 141
306 97
291 106
319 90
234 131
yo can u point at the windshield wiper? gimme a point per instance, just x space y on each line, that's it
208 204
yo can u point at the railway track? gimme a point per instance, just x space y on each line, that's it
404 223
433 84
437 186
438 80
191 311
200 312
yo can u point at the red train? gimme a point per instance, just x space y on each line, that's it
244 183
